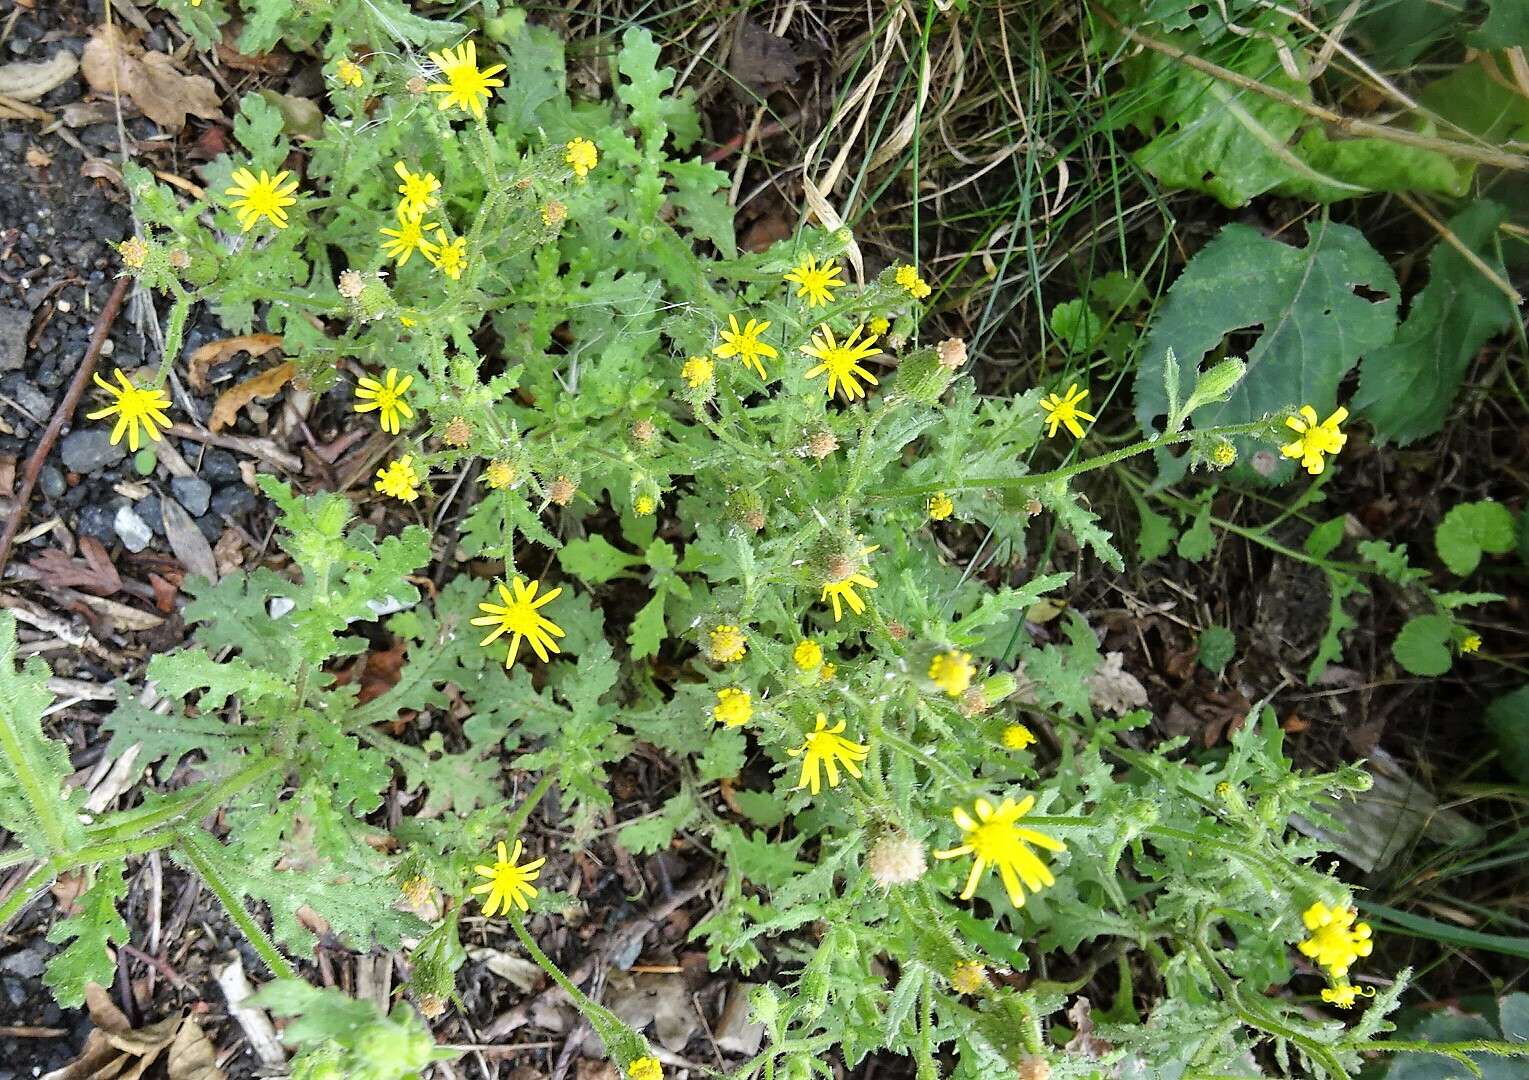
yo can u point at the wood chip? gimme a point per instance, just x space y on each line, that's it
270 381
257 1026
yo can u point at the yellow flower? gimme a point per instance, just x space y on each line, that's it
908 278
581 156
880 325
644 505
827 672
939 506
1336 939
134 252
837 591
842 361
408 238
697 372
1017 737
134 408
554 213
826 750
808 655
521 618
449 256
416 193
499 474
465 85
645 1068
266 197
734 707
1224 456
968 977
399 480
813 280
1472 643
1315 439
952 672
1344 993
994 838
386 399
348 72
508 883
745 344
1065 410
726 644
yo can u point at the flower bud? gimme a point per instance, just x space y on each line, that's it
968 977
922 377
375 299
896 859
746 507
897 630
134 252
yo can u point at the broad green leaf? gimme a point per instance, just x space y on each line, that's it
1471 98
1076 325
1468 530
1422 647
1407 386
1217 645
1506 26
90 932
1508 721
647 630
1154 537
1312 321
1199 540
595 560
1321 541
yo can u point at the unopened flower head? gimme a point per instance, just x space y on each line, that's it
1336 940
952 672
815 281
827 749
265 196
500 474
993 837
138 410
1317 440
644 505
509 881
1066 411
726 644
466 87
896 859
1224 455
522 618
734 707
416 890
133 251
968 977
581 156
808 655
1470 643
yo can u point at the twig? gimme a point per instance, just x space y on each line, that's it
1445 234
82 376
260 448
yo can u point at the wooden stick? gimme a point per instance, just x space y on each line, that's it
72 396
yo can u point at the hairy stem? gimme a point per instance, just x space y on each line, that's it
242 919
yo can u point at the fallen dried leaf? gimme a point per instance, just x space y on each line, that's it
113 64
519 972
276 62
268 382
300 117
30 81
38 158
760 58
215 352
115 1050
1114 689
94 573
229 552
187 541
164 593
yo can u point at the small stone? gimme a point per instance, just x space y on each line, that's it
220 467
25 393
13 336
96 521
52 480
135 534
148 509
88 450
28 962
234 499
192 492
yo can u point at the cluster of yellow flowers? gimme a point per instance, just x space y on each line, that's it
1337 940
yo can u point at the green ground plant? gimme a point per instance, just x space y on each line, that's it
928 808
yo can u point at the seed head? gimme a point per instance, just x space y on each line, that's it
898 630
643 432
416 85
554 214
561 491
350 284
1034 1068
951 353
458 433
133 251
974 702
431 1005
896 859
416 890
821 443
180 259
1033 507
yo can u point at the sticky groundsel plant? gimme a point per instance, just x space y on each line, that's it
925 813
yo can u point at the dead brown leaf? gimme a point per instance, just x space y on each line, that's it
115 1051
93 574
276 62
187 541
215 352
760 58
38 158
30 81
114 64
268 382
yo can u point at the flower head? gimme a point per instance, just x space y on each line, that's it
1017 737
994 838
408 238
520 616
386 398
808 655
1336 940
939 506
448 256
416 193
508 883
265 197
1065 410
134 252
458 433
1315 439
842 360
826 749
837 591
1470 643
896 859
814 280
907 277
1343 994
554 213
645 1068
399 480
644 505
734 707
580 155
952 672
349 73
726 644
745 344
1224 456
697 372
562 490
134 408
499 474
416 890
465 86
968 977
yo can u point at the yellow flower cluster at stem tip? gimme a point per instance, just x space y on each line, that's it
399 480
508 883
1017 737
1343 994
499 474
645 1068
520 616
386 398
826 749
416 195
134 252
697 372
734 707
466 86
581 156
995 838
907 277
1470 644
952 672
808 655
744 343
939 506
827 672
726 644
408 238
1316 439
136 409
644 505
841 360
1065 411
449 256
814 280
265 196
1336 940
349 73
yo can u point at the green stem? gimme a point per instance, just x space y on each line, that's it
175 809
44 803
619 1039
235 908
24 893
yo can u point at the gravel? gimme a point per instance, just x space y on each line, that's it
192 492
131 528
87 450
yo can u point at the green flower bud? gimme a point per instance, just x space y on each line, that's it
921 377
